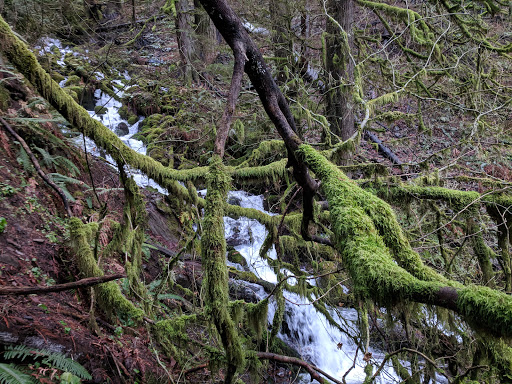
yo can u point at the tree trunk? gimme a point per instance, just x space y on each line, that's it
206 35
280 17
184 37
340 70
134 16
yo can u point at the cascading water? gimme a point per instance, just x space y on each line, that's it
306 330
110 118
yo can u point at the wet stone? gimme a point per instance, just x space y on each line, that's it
122 129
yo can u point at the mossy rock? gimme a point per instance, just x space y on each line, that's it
133 119
100 110
57 76
123 112
73 80
235 257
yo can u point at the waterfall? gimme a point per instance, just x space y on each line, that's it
306 330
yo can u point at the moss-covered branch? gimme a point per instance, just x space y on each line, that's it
109 295
367 248
213 254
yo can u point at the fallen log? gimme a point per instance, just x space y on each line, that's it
87 282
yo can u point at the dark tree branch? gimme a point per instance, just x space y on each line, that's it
315 373
273 100
383 150
88 282
37 166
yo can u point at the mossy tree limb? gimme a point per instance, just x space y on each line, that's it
109 295
374 272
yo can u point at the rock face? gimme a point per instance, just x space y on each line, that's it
122 129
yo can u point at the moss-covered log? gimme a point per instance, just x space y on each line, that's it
368 256
213 255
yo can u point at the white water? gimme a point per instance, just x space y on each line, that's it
308 331
111 118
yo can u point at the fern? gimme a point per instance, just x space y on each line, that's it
165 296
48 159
11 374
50 359
62 181
58 161
24 161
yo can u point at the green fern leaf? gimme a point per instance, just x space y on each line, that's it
24 160
11 374
48 159
67 165
66 364
50 359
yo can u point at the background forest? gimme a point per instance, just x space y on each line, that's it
224 191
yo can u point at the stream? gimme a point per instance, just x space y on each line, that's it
306 330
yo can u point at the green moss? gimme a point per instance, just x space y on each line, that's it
73 80
132 119
173 337
57 76
213 255
109 295
100 110
367 241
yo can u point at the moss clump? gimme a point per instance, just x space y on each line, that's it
172 335
100 110
132 119
73 80
109 295
57 76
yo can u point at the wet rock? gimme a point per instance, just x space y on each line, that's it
234 200
122 129
236 257
239 291
236 238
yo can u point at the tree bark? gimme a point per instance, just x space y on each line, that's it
279 15
234 91
274 102
184 37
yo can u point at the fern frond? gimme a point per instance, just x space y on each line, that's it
153 285
48 159
165 296
66 364
24 161
20 352
67 165
50 359
11 374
